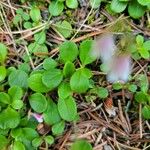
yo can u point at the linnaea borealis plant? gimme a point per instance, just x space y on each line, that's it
116 57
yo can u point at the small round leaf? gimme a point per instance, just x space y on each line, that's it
67 108
81 145
38 102
56 8
2 73
35 14
52 78
35 83
68 51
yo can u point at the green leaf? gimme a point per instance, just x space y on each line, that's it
72 4
26 135
52 78
144 2
79 81
35 14
23 134
18 146
19 11
85 52
68 69
37 142
143 82
35 83
95 3
3 53
117 86
56 8
38 48
132 87
102 92
49 139
2 73
68 51
64 28
9 118
40 37
25 16
3 142
17 104
141 97
58 128
144 53
146 45
135 10
64 90
67 108
27 25
146 112
18 78
24 67
81 145
15 92
51 115
139 40
4 98
17 19
49 63
118 6
38 102
87 72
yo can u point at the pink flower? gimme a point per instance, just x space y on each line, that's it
104 47
119 68
38 117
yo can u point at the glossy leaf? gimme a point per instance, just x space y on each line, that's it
9 118
18 146
64 28
56 8
51 114
15 92
49 139
35 14
68 69
64 90
35 83
68 51
136 10
67 108
49 63
19 78
81 145
79 81
3 52
52 78
4 98
85 52
38 102
72 4
118 6
58 128
40 37
146 112
2 73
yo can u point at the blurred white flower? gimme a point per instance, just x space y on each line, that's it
104 47
119 68
38 117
